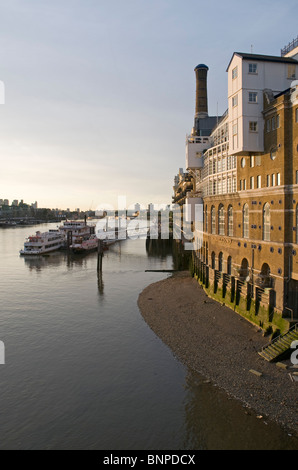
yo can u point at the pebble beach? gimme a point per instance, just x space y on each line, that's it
220 345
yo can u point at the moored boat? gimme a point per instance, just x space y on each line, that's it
82 245
45 242
76 230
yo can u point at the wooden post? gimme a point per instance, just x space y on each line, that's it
99 255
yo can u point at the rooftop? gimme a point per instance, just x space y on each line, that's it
264 58
292 45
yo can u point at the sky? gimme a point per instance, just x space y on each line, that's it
100 94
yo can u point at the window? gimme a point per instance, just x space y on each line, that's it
214 187
273 179
253 126
252 97
220 261
273 123
244 185
235 138
259 181
266 222
252 161
223 164
234 184
296 176
277 121
258 160
235 73
229 185
268 181
221 220
213 260
252 182
291 71
230 221
229 161
206 219
252 68
241 186
235 101
268 125
278 179
213 227
243 161
296 115
224 186
245 220
229 266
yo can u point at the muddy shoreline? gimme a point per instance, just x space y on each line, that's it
220 345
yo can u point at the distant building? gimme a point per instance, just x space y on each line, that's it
34 205
15 202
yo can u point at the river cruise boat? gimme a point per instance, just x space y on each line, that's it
45 242
82 245
74 230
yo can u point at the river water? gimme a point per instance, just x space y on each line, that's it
84 371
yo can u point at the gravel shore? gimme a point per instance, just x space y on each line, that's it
220 345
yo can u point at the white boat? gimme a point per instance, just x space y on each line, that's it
43 243
76 229
82 245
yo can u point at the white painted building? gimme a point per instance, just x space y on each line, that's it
248 76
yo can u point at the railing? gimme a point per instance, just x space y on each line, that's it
293 328
289 47
291 311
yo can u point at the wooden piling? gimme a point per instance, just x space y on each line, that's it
99 255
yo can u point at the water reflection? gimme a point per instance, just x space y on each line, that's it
158 248
100 283
40 262
215 421
55 259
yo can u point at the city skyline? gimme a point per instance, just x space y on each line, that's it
99 96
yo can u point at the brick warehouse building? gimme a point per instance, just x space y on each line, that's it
245 173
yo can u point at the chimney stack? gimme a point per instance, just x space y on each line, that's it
201 91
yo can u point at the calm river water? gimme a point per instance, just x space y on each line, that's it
84 371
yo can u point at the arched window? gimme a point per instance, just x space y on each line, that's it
245 221
206 220
221 220
213 260
266 222
213 221
265 279
230 222
229 265
220 258
244 270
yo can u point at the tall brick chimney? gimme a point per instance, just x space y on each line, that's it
201 91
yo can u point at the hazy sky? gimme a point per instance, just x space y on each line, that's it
99 94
